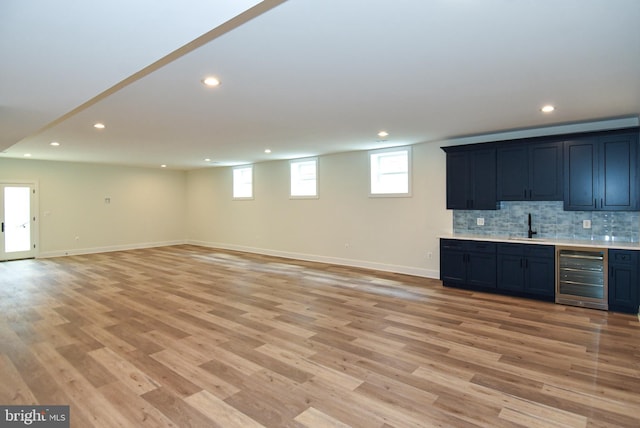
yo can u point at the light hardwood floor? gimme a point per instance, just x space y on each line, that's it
188 336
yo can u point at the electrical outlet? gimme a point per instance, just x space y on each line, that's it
586 224
480 221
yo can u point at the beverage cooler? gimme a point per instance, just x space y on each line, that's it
581 277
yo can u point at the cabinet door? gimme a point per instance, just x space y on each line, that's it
545 172
483 179
510 272
458 192
481 270
540 276
513 173
601 174
623 281
617 172
580 169
453 267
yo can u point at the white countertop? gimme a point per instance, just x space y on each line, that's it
547 241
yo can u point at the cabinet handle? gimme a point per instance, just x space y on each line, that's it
595 203
601 203
530 193
525 193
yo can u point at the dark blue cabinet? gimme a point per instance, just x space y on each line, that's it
468 263
458 191
453 262
623 281
530 172
588 171
526 269
600 173
510 274
540 274
471 179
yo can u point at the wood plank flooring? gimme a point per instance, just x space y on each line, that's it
186 336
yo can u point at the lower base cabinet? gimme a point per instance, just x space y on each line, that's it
527 269
470 264
623 281
517 269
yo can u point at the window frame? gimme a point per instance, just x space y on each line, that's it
293 162
233 184
374 153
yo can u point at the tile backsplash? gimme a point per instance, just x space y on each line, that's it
550 221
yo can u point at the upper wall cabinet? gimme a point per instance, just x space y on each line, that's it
600 173
530 172
471 178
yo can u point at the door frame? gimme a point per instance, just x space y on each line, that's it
35 212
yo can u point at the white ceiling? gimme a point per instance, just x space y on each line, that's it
302 77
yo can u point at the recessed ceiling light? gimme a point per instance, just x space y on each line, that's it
99 125
547 109
207 160
27 155
267 151
54 144
383 134
163 166
211 81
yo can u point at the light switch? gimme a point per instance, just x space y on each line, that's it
480 221
586 224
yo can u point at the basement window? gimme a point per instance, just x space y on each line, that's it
243 182
390 171
304 178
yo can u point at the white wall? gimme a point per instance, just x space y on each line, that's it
343 226
151 207
148 206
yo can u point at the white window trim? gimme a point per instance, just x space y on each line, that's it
406 194
300 160
241 198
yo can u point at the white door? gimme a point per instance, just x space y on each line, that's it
17 239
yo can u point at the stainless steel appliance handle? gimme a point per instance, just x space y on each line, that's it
581 256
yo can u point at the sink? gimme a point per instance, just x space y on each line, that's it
524 238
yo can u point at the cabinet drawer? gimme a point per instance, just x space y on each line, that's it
467 246
547 251
481 247
623 257
511 249
452 244
527 250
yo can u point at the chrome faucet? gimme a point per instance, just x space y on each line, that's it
530 232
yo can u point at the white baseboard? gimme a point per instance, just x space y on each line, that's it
108 249
407 270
